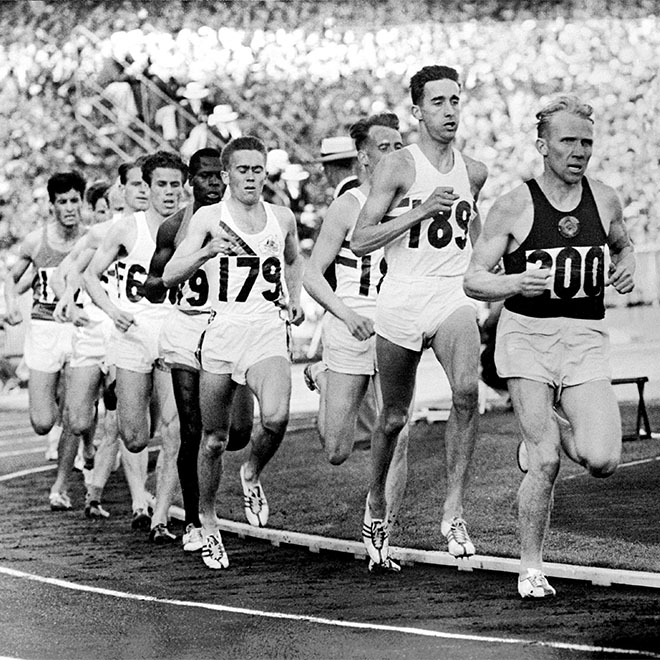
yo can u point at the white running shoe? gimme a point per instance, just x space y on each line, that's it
522 457
458 541
388 566
53 442
254 502
94 510
310 372
192 539
535 585
375 536
59 502
213 552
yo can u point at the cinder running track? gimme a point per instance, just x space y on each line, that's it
71 588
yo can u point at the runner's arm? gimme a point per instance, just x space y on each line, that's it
388 183
13 313
477 173
193 252
293 264
154 289
106 253
622 252
480 281
59 278
334 230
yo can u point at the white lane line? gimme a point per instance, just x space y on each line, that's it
641 461
595 575
27 472
21 430
407 630
21 452
23 440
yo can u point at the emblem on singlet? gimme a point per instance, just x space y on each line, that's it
270 245
569 226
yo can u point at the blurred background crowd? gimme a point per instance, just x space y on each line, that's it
86 85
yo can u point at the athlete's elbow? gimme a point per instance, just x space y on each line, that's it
359 246
168 278
471 288
154 290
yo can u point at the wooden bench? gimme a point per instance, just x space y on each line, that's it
642 415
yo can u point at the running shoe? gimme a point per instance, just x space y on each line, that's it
309 378
458 541
375 537
160 535
94 510
87 476
522 457
192 539
535 585
59 502
388 566
79 462
141 519
311 372
254 502
53 443
214 554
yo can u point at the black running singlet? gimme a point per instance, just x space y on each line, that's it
572 244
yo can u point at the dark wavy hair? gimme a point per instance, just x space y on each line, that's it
165 159
62 182
427 74
359 131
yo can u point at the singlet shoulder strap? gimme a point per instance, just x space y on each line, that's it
538 196
358 194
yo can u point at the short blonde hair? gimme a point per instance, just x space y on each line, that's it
570 104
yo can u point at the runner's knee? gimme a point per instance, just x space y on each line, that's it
214 443
80 421
239 436
134 440
602 464
465 398
42 423
337 452
275 421
394 421
544 460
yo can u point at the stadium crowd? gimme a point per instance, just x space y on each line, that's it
312 75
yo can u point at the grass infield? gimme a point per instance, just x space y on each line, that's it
607 523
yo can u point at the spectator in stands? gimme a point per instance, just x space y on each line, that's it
339 160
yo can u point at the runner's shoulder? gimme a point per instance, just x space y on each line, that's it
477 171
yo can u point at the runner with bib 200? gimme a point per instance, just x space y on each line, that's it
553 234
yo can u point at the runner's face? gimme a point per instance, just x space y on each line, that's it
381 140
567 146
207 182
136 190
101 211
246 176
67 208
439 109
165 190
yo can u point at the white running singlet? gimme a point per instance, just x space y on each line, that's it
437 246
358 277
195 293
132 269
250 279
